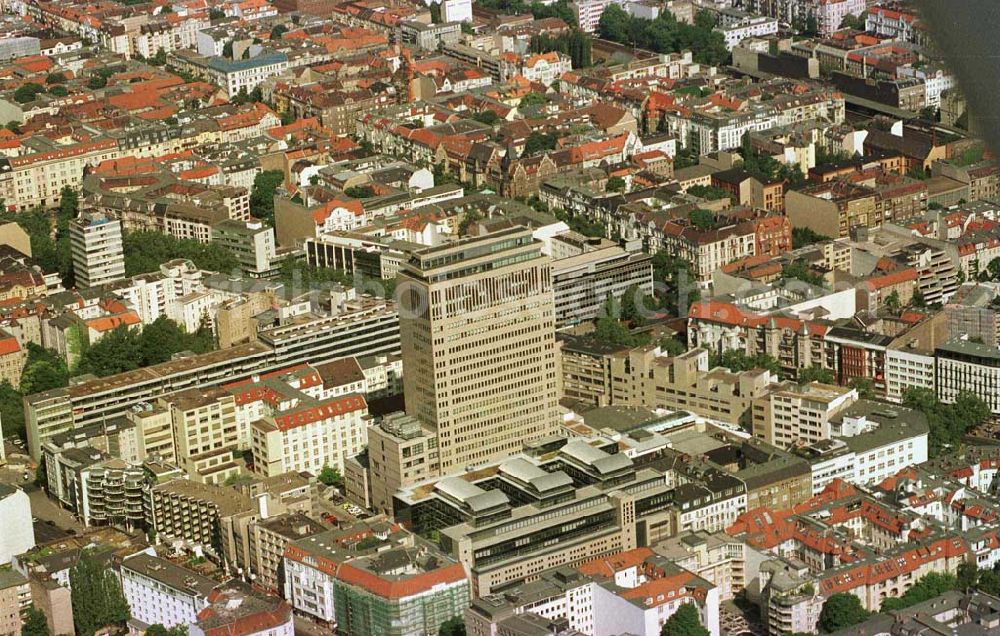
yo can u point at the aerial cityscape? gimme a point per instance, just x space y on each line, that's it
498 318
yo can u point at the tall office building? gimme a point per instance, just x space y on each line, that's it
96 245
478 338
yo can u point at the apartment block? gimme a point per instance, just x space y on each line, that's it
401 452
205 431
635 591
98 254
236 608
589 270
374 580
962 365
799 412
269 539
98 489
196 512
98 400
19 535
15 599
477 327
159 592
251 242
311 436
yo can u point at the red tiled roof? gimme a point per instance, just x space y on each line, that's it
303 417
9 345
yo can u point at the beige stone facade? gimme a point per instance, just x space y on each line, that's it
477 332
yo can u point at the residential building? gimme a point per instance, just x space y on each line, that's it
15 599
477 328
428 36
15 509
98 254
99 489
310 437
374 580
159 592
636 591
588 271
269 539
401 451
237 609
799 412
234 75
962 365
196 512
251 242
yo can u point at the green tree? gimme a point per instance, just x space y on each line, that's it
116 352
145 251
614 24
856 22
710 193
803 236
12 410
360 192
227 50
630 304
610 329
277 31
97 596
160 59
59 91
531 99
538 142
948 422
864 386
615 184
215 13
702 219
891 302
930 585
56 78
487 117
841 611
993 270
680 285
34 623
988 581
28 92
262 194
468 219
800 272
918 299
330 476
684 622
454 626
163 338
159 630
740 361
435 9
967 576
816 374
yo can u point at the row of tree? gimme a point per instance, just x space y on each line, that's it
126 349
665 34
49 237
574 43
145 251
560 9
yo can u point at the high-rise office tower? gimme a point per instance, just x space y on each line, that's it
478 339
